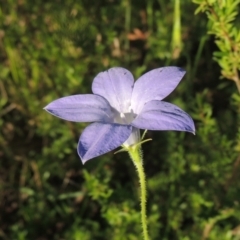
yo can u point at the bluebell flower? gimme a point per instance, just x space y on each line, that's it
120 107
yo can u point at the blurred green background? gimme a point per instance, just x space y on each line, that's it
50 49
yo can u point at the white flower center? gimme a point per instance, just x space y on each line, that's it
126 119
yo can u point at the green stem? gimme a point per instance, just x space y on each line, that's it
136 156
176 35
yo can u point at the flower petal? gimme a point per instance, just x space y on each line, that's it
81 108
134 137
116 86
159 115
155 85
99 138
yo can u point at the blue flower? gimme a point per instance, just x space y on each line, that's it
120 107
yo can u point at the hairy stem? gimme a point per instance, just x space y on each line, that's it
136 156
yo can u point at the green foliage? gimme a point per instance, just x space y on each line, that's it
50 49
222 15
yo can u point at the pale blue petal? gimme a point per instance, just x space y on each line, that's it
155 85
134 137
159 115
116 86
99 138
81 108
